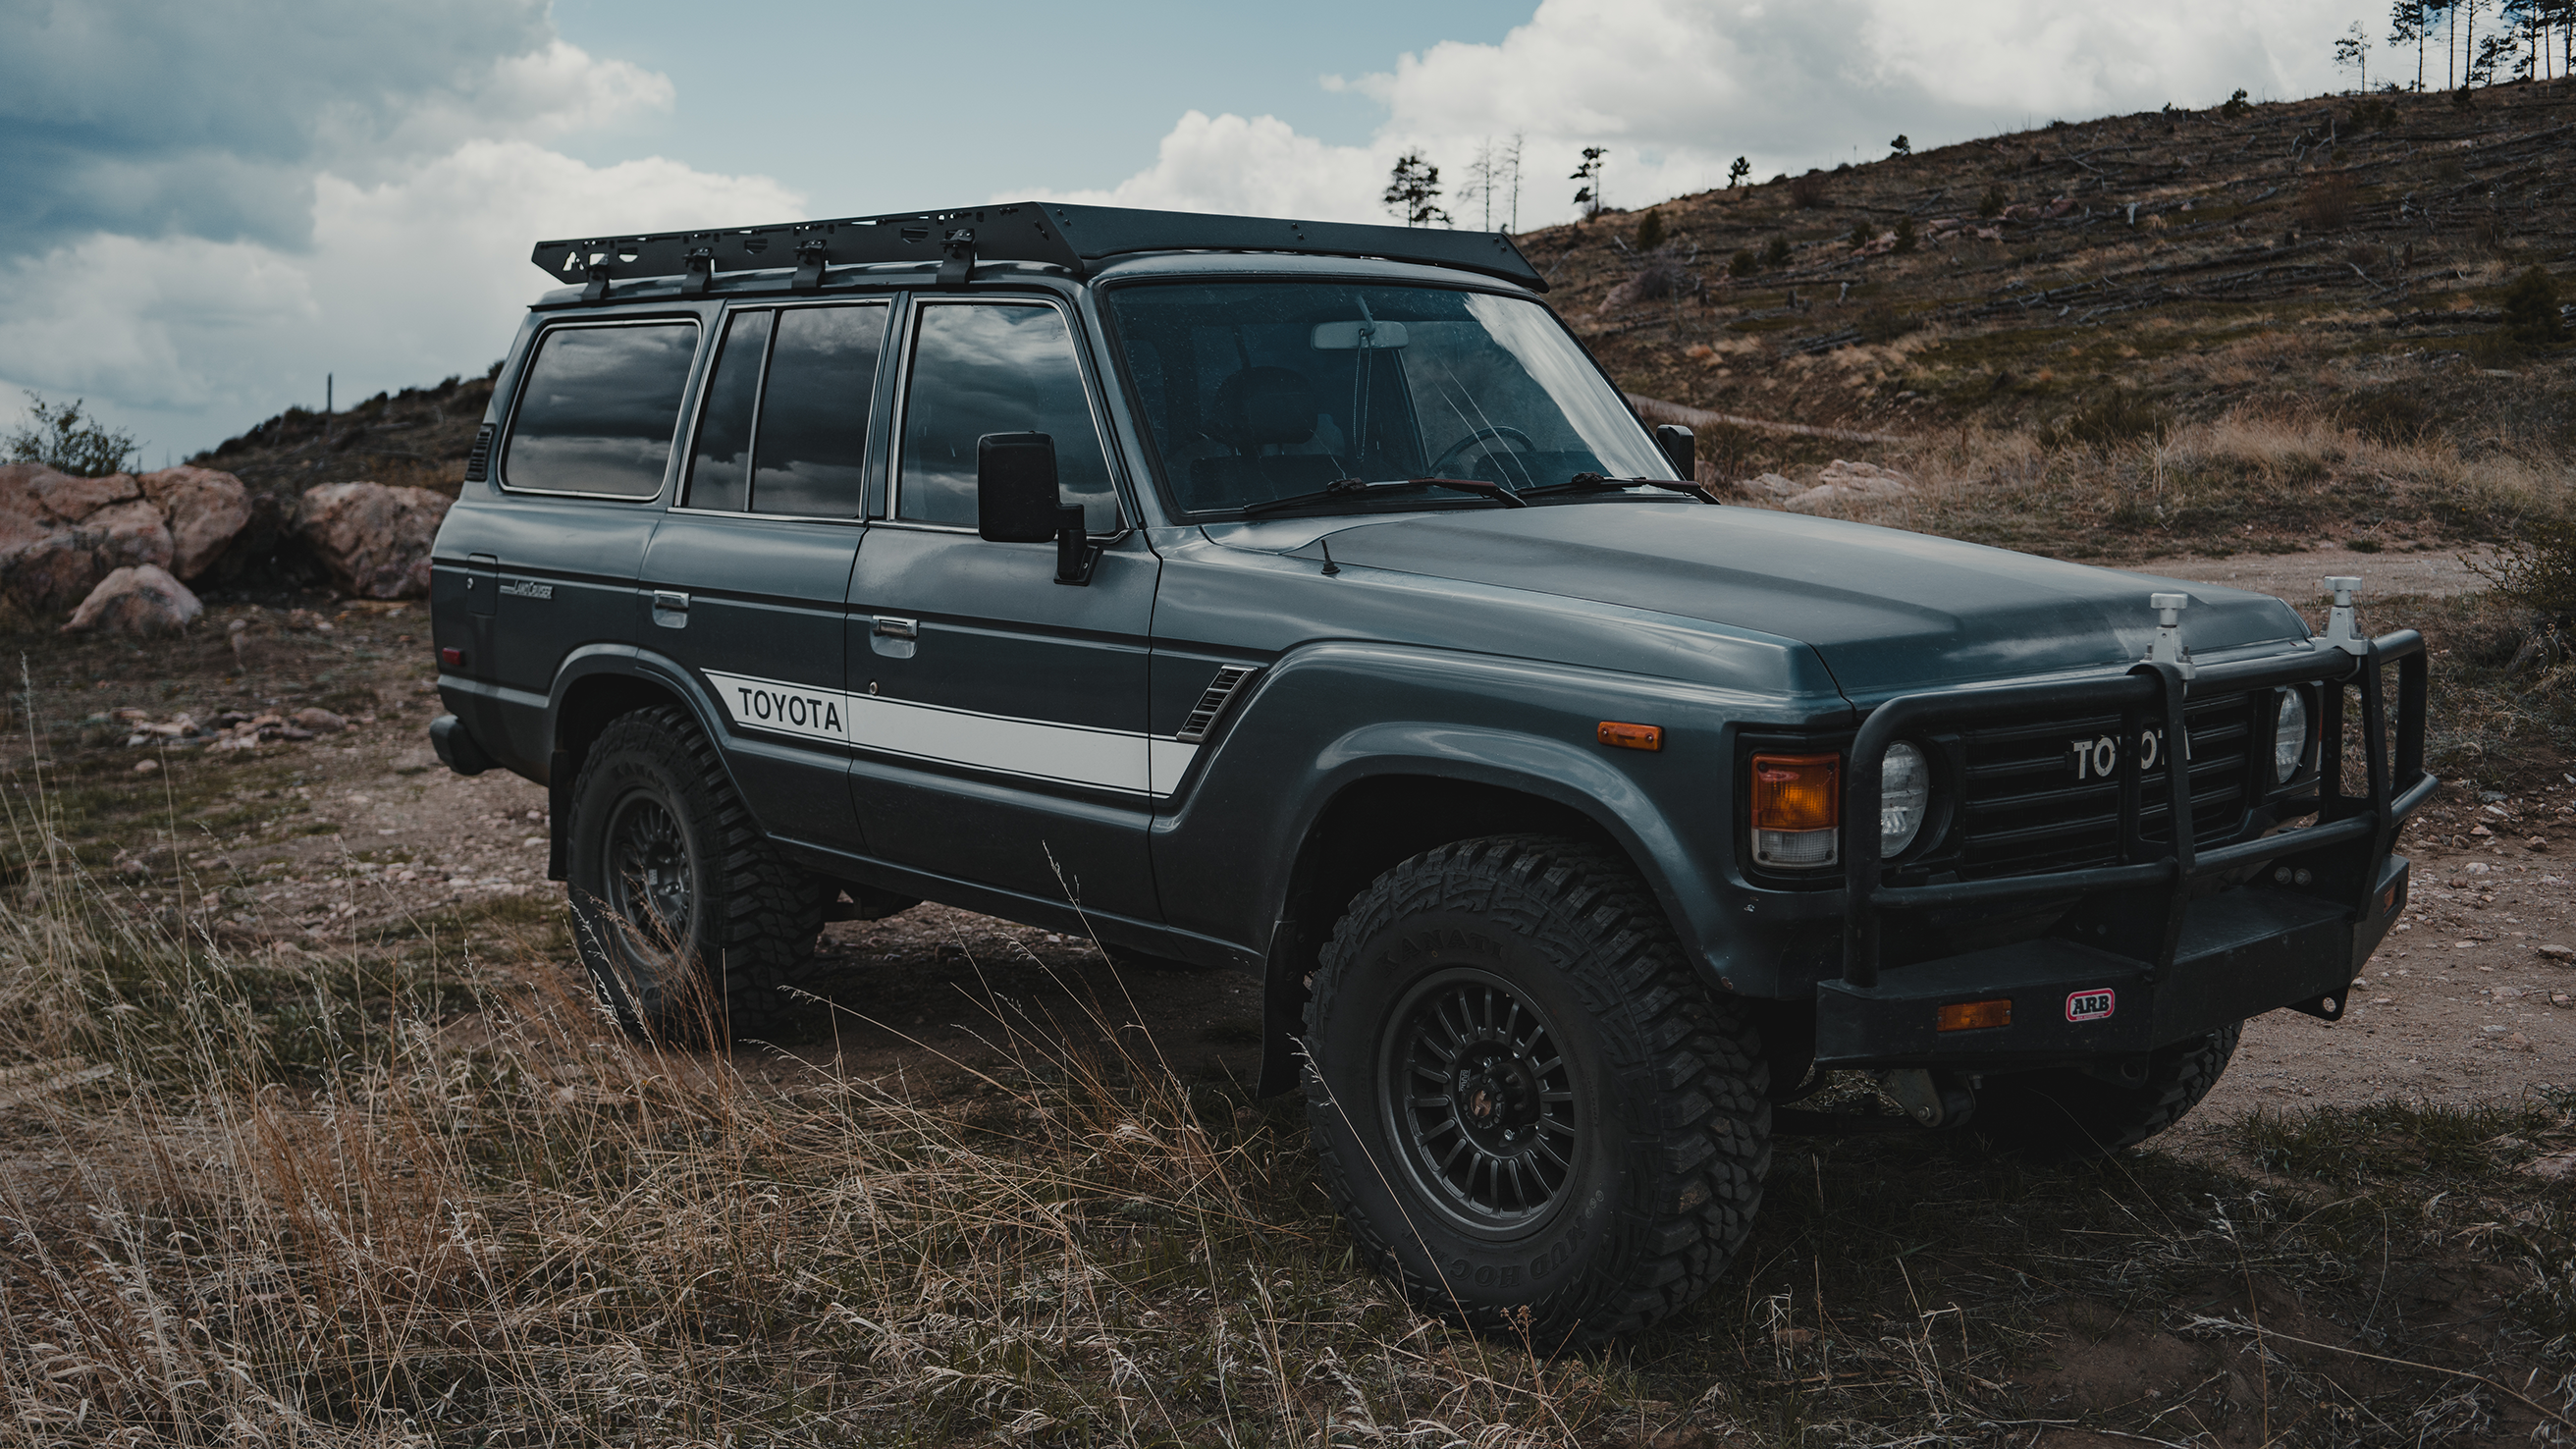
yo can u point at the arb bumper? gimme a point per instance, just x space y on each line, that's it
2175 941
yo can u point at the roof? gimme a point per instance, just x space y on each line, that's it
1077 238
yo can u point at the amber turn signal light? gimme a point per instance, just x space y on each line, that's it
1974 1015
1797 792
1632 736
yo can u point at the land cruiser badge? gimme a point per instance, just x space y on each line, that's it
526 589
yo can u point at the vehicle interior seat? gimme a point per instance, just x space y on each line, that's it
1255 409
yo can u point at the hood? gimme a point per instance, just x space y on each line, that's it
1887 610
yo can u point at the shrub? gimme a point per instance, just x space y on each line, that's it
2536 568
2328 201
61 439
2118 417
2236 105
1743 264
2389 417
1883 323
2531 309
1650 231
1808 191
1906 240
1992 204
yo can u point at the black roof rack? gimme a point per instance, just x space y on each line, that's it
1077 238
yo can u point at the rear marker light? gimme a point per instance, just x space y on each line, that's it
1797 805
451 656
1974 1015
1632 736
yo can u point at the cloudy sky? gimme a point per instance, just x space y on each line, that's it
212 203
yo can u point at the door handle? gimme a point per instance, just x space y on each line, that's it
893 628
670 610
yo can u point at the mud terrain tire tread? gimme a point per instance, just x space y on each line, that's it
759 915
2061 1115
1700 1162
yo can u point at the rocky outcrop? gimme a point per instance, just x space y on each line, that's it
1845 482
373 540
143 599
60 536
204 511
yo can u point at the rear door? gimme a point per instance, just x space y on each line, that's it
552 569
999 716
746 579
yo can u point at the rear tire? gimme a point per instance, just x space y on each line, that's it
689 923
2062 1115
1524 1101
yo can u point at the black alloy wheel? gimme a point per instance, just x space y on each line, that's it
1533 1114
688 922
1488 1116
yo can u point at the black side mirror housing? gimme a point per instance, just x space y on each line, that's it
1016 500
1681 448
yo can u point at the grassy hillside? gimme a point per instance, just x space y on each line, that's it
419 436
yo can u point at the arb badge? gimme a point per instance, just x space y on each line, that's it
2095 1005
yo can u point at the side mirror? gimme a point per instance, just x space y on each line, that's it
1016 500
1681 448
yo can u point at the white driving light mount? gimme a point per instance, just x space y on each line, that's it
2343 631
2168 648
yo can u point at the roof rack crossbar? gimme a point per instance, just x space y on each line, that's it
1077 238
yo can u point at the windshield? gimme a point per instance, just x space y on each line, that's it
1263 391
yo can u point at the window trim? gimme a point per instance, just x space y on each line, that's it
760 396
527 372
916 304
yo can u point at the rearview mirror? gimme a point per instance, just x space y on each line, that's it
1016 500
1345 336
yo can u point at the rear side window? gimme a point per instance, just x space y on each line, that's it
600 408
785 425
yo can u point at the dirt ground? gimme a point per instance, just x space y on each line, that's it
361 837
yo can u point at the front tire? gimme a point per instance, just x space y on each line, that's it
1523 1100
2061 1115
688 922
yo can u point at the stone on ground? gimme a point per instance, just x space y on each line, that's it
142 599
373 539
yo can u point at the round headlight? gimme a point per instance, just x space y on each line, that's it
2289 736
1904 797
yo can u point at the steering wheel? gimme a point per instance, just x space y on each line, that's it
1457 450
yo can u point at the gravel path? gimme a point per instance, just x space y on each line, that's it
2296 577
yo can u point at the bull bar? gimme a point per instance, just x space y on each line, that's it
2155 933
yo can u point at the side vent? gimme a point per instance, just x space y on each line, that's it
1229 679
478 464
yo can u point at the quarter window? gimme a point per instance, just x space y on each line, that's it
981 367
599 410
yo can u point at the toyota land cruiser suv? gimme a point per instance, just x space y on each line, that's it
1304 598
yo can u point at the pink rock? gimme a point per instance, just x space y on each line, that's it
205 511
73 500
143 599
374 540
127 533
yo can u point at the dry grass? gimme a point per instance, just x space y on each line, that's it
2249 479
328 1199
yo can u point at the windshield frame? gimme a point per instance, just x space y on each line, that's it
1267 271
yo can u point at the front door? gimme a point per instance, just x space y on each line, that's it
745 581
999 716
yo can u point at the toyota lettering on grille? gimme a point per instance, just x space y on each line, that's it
2099 757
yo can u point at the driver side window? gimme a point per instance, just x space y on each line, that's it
994 367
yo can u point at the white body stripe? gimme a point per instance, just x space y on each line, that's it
1123 760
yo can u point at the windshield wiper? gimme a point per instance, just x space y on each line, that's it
1595 483
1348 489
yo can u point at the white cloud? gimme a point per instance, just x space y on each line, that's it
1678 88
407 278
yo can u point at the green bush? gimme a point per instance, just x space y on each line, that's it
61 439
1776 254
2531 310
1992 204
1650 231
2537 567
1906 239
1743 264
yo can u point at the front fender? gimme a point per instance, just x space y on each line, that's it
1329 717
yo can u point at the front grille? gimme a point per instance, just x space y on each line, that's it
2026 809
